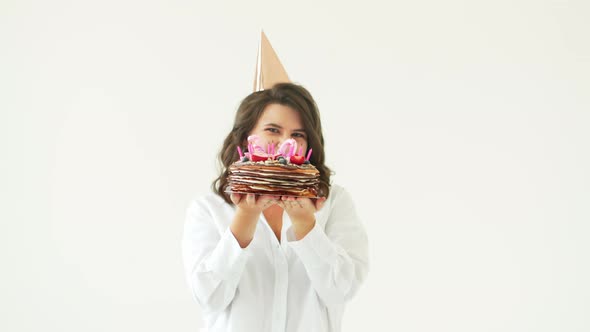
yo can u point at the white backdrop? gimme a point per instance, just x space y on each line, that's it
460 127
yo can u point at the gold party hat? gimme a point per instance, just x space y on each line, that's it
269 70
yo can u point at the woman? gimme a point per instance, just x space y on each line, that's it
263 263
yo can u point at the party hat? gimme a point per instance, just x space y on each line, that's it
269 70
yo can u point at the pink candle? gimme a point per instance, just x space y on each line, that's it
250 149
292 150
308 154
300 151
240 152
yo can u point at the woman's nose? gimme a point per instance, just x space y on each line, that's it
285 137
282 139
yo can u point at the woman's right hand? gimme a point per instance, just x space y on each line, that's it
248 209
253 205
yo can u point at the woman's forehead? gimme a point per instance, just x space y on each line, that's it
280 115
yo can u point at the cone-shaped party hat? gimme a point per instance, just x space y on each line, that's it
269 70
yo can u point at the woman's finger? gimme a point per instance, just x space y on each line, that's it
265 201
251 199
268 198
319 203
235 198
285 202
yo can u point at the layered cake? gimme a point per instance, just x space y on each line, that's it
266 172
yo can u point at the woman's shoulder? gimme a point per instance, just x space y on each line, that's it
207 210
337 192
339 196
339 208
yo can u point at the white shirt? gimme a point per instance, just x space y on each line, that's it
286 286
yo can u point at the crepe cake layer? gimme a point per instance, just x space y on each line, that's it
274 178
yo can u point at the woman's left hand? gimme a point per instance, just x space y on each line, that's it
301 212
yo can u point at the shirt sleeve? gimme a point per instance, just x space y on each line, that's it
336 259
213 262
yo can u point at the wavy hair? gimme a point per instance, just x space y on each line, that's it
251 108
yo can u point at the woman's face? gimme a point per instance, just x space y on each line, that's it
278 123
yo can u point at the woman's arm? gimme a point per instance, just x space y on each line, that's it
336 259
214 262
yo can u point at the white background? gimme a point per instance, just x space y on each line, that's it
460 127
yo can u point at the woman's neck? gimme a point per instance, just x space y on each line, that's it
273 213
274 218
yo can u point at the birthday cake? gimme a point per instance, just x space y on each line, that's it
269 172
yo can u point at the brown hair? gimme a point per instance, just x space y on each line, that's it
250 110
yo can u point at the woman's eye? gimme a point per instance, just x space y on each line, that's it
298 135
273 130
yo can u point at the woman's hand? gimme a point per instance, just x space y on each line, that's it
248 209
250 204
301 212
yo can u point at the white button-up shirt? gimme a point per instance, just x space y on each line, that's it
270 285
